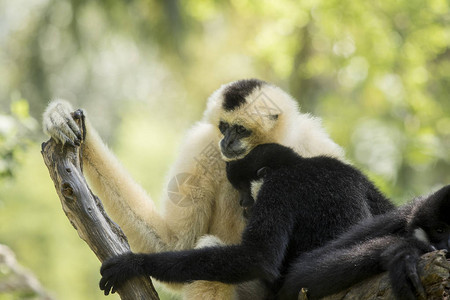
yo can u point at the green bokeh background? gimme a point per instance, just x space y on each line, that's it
377 72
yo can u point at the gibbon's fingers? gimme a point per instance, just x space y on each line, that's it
118 269
71 129
108 281
104 286
59 129
74 127
108 287
413 276
59 134
113 290
404 278
58 123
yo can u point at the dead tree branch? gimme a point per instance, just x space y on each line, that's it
85 211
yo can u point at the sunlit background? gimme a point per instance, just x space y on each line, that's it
377 72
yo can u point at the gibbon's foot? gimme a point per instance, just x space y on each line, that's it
116 270
59 124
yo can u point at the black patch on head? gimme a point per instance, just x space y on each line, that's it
234 95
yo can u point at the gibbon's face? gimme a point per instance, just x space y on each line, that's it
247 181
234 144
434 219
246 119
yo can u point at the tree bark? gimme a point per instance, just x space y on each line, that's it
86 213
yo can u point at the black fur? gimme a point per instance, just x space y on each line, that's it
234 95
303 203
383 243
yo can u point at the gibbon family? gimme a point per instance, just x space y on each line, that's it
301 204
293 214
210 212
271 188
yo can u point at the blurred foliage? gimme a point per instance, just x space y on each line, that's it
377 72
16 281
16 128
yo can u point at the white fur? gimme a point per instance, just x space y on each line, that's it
214 207
421 235
58 112
255 186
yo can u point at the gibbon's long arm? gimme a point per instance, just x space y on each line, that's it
260 254
126 202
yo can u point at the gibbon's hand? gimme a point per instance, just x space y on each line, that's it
405 277
116 270
59 124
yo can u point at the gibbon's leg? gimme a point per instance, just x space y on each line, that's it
125 201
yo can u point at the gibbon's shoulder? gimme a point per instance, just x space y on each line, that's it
199 138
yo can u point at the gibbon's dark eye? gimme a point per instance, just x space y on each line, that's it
223 126
241 129
440 230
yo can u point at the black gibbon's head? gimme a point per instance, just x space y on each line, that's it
247 174
248 113
431 221
242 173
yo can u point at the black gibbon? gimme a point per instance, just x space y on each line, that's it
300 204
391 242
239 116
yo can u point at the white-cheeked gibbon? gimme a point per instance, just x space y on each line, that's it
239 116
